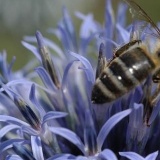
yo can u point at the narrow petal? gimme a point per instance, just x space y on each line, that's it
37 147
88 31
124 35
88 26
13 157
121 14
68 24
152 156
85 62
53 115
45 78
34 100
22 151
64 37
12 120
90 135
84 158
109 125
108 155
9 144
109 27
27 112
47 60
136 117
11 65
62 157
7 128
131 155
27 83
48 43
33 49
69 135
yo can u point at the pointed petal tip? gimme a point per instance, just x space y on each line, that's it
39 38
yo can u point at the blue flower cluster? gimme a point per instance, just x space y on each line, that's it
45 107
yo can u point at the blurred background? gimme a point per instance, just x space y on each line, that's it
24 17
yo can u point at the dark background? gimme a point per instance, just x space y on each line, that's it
24 17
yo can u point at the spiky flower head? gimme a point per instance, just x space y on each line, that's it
46 110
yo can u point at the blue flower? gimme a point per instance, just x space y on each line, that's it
46 108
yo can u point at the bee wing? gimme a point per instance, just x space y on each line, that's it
138 12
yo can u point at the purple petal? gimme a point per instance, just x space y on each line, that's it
48 43
87 65
109 125
23 151
88 26
54 47
62 157
40 40
107 154
70 136
33 49
68 24
109 27
27 112
131 155
30 130
37 147
90 134
64 38
7 128
4 65
152 156
53 115
121 14
47 60
9 144
67 91
11 65
12 120
55 31
123 33
45 78
136 117
34 100
84 158
136 126
88 31
13 157
26 83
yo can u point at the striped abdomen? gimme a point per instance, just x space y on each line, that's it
123 74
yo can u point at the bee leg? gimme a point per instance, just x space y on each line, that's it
101 60
156 79
151 102
156 76
147 101
150 99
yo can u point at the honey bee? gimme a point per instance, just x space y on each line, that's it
129 67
